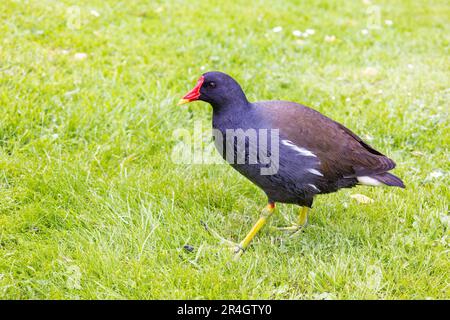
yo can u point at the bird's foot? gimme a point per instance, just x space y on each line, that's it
236 248
294 228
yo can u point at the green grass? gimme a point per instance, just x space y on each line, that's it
91 206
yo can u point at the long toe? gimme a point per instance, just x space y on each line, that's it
294 228
233 245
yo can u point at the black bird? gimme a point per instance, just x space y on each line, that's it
290 151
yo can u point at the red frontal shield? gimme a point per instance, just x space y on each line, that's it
194 94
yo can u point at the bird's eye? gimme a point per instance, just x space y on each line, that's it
212 84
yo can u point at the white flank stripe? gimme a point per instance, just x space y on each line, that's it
314 187
316 172
302 151
369 181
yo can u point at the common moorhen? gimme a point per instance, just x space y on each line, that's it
290 151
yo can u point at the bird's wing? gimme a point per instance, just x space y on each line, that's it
341 152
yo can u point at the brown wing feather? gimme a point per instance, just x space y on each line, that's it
341 152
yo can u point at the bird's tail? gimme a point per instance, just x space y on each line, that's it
389 179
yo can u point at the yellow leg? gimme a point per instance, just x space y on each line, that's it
301 222
303 216
266 213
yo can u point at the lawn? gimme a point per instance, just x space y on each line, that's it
92 205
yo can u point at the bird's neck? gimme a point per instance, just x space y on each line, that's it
237 103
233 116
233 111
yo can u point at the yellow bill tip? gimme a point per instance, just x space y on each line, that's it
182 101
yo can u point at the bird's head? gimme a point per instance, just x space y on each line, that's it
216 88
